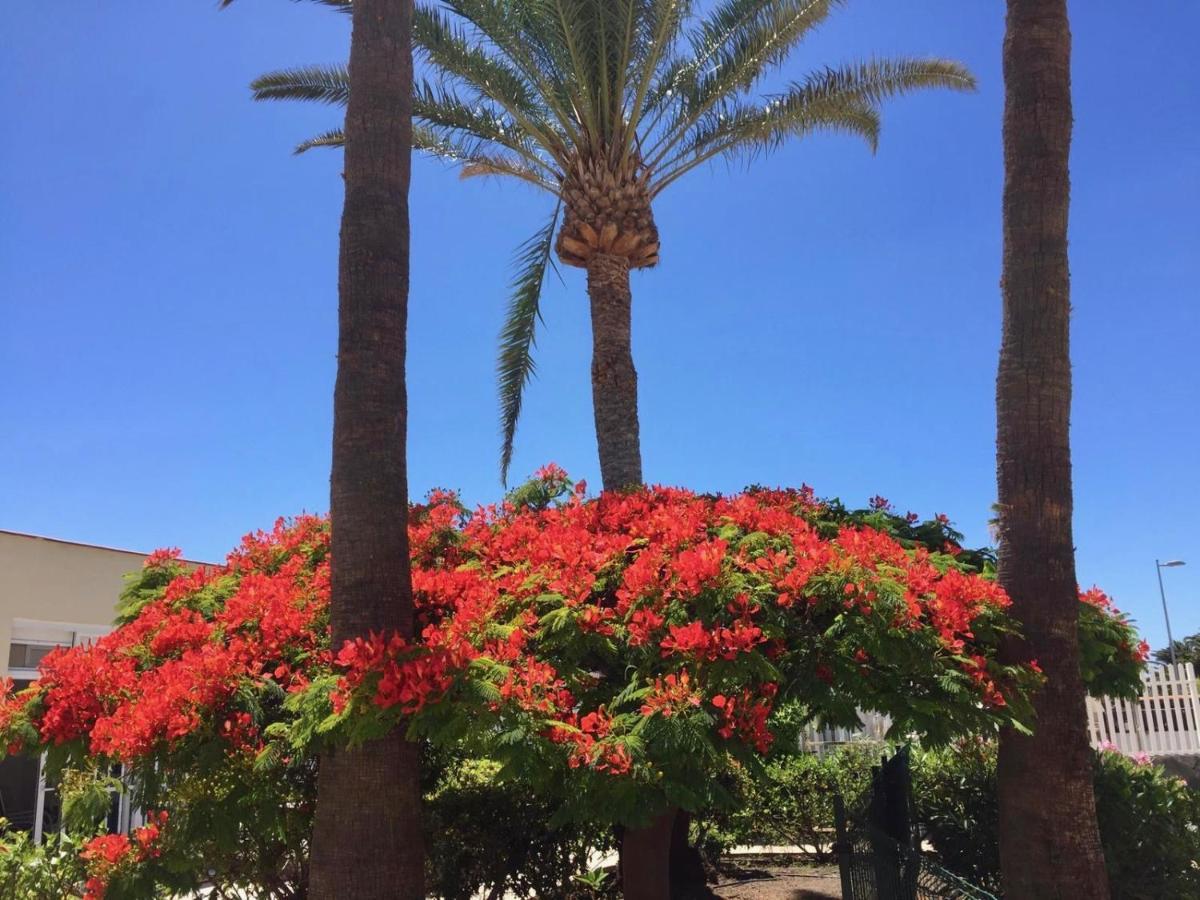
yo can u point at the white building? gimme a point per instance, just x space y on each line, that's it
52 593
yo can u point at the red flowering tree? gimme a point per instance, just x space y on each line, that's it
616 653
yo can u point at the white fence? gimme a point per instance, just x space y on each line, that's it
1164 721
874 727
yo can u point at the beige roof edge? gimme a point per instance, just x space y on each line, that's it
42 537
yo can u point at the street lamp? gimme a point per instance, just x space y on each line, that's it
1169 564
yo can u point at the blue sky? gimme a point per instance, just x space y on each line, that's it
169 291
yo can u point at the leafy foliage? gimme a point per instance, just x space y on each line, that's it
52 870
1112 655
1186 650
1149 820
1107 640
789 802
955 791
485 835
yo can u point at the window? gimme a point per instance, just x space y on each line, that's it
27 654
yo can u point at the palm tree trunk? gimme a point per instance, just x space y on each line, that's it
367 829
648 854
614 380
1049 839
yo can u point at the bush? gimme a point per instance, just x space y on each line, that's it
483 835
955 793
52 870
789 802
1150 827
1149 820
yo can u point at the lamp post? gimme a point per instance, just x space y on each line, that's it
1169 564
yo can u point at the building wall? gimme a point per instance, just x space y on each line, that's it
52 592
48 587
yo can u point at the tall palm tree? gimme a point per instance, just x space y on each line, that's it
367 831
1049 840
604 104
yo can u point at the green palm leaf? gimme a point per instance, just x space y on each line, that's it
333 138
323 84
344 6
515 365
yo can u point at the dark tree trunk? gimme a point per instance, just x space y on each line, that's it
1049 840
645 853
367 828
614 380
688 881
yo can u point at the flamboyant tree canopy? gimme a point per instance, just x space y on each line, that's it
617 653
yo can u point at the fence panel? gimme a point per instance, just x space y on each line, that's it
1164 721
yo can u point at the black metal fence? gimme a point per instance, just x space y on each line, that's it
879 844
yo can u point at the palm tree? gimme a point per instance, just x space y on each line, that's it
604 104
1049 840
367 831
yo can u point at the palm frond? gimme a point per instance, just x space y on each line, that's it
344 6
333 138
661 26
515 365
324 84
757 44
844 99
524 35
448 49
475 159
447 114
877 80
750 130
470 155
733 48
730 31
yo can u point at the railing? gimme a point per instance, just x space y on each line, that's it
878 844
1164 721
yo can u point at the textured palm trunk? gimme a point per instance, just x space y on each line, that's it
614 380
1049 840
645 852
367 829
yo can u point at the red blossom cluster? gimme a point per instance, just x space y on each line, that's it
106 854
175 669
670 695
746 716
593 636
683 588
1096 598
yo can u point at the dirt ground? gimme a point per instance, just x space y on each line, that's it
774 881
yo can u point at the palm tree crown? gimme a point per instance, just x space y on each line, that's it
604 104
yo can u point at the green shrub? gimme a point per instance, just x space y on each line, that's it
955 793
1150 826
789 802
1149 820
29 871
484 835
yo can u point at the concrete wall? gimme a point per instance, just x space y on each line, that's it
54 581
